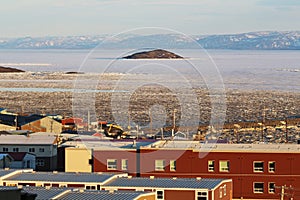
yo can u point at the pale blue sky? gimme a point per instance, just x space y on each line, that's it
92 17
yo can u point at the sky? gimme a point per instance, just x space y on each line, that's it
36 18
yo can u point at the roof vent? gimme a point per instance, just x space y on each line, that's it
48 187
20 186
129 177
174 178
81 190
151 177
111 191
55 172
198 178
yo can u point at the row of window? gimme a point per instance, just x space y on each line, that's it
112 164
224 166
258 187
16 149
258 166
160 165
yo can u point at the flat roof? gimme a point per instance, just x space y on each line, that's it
44 193
4 172
108 144
26 140
62 177
103 195
203 183
217 147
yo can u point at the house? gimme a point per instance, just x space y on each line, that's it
5 160
44 148
45 124
33 123
22 160
262 169
4 127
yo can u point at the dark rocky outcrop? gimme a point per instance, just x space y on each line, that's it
154 54
9 70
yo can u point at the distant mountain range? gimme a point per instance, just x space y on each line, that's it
267 40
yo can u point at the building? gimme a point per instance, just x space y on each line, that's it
54 185
22 160
258 171
43 147
71 194
5 160
176 188
45 124
93 181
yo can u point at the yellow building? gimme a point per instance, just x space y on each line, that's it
77 159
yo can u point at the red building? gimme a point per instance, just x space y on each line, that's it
258 171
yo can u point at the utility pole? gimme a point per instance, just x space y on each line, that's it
174 119
88 126
151 125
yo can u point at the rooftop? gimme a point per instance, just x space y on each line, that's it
62 177
27 140
165 183
103 195
216 147
44 193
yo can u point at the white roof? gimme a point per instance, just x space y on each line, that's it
27 140
216 147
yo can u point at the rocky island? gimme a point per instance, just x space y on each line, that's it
9 70
154 54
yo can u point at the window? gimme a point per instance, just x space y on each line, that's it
40 163
201 196
31 149
15 149
220 192
172 165
224 166
271 187
124 164
159 165
258 187
211 165
160 194
258 166
272 166
224 190
111 164
5 149
41 150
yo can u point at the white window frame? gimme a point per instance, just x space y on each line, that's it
220 192
211 168
225 190
163 195
272 169
258 190
31 149
258 169
199 194
124 164
227 169
271 190
158 166
112 166
173 165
